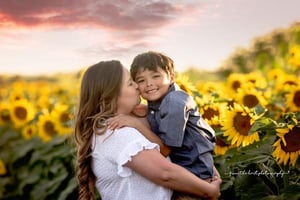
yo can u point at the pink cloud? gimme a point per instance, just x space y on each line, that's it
119 15
133 24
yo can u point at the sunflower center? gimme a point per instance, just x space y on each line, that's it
210 113
221 143
250 100
5 117
252 81
241 123
236 85
49 128
30 132
296 98
290 83
64 117
292 139
20 112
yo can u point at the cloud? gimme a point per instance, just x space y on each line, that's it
117 15
127 25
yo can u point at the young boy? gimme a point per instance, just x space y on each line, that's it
173 116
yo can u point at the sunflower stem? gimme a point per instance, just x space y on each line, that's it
285 178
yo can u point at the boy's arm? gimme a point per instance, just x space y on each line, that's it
142 125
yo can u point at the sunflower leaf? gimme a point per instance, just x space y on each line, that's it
263 124
71 187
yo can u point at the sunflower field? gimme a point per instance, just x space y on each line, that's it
252 102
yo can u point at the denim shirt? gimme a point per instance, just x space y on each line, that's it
176 120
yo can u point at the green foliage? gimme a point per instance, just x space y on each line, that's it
36 170
252 173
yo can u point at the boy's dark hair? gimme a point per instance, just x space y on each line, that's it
151 60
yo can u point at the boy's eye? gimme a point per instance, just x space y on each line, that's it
140 81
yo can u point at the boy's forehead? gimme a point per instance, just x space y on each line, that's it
151 69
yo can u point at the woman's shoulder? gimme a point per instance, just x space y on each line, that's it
117 140
126 134
128 131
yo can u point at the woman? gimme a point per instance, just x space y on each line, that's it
122 163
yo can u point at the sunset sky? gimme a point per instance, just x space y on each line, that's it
49 36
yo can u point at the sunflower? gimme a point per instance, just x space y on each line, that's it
5 116
47 127
221 147
43 90
294 57
22 111
17 91
29 131
293 99
43 101
256 79
250 97
212 113
3 92
211 87
288 81
275 74
237 124
185 84
61 113
234 82
287 147
3 170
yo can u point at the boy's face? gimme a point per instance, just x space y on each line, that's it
153 84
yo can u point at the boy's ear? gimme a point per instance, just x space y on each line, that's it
172 77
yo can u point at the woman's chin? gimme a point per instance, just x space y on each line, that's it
140 110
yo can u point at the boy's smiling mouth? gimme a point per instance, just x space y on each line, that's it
151 91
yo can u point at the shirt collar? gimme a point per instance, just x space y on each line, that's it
154 105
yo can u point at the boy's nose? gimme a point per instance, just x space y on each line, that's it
148 83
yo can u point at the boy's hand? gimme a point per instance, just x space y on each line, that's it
120 121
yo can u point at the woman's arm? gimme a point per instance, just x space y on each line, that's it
153 166
142 125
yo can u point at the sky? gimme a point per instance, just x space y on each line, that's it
59 36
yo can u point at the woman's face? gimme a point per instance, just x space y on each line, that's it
129 95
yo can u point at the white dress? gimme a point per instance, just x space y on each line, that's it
115 181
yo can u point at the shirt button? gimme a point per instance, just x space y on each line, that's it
152 112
